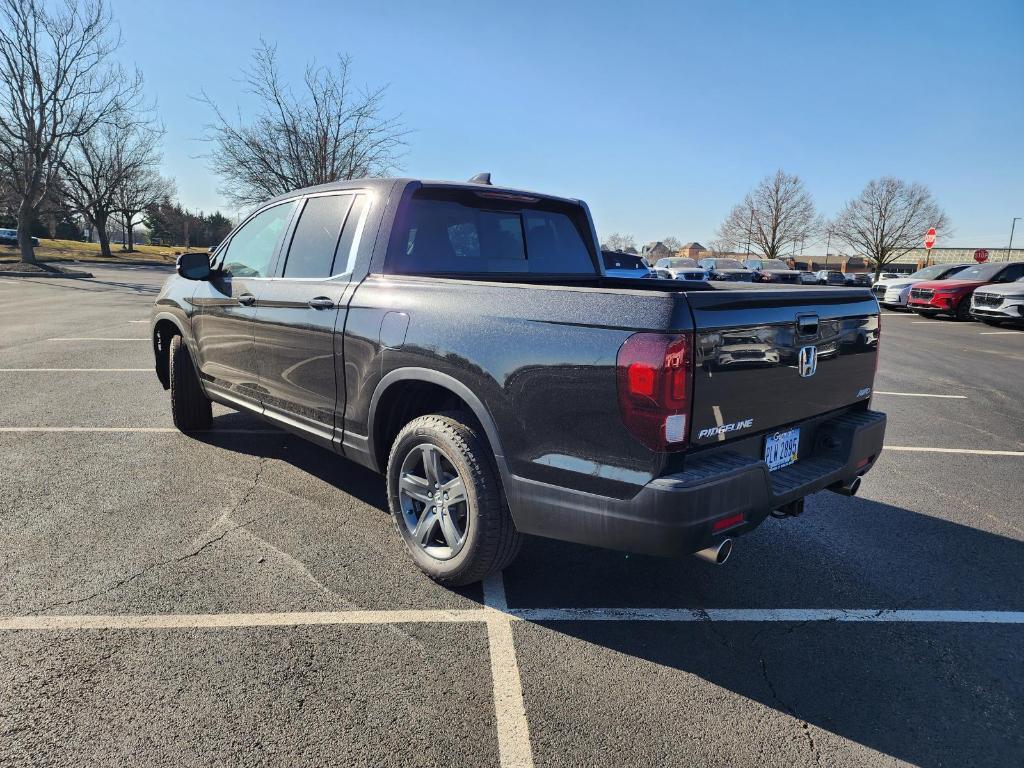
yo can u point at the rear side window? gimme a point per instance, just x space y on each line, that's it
315 241
462 233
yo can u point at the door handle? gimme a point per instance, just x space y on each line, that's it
321 302
246 299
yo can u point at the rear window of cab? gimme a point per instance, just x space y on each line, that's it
457 232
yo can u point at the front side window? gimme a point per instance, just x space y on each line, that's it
251 250
1012 274
313 245
445 232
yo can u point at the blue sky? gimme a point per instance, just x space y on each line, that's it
661 115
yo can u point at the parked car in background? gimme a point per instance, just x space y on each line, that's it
998 304
10 237
830 277
889 275
624 265
894 292
858 279
726 269
678 268
807 278
772 271
953 296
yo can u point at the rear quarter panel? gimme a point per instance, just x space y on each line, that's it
540 358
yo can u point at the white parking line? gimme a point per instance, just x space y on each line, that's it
971 451
146 430
921 394
138 321
75 370
999 333
506 670
93 338
509 710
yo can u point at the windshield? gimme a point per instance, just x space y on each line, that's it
678 263
980 272
774 264
726 264
934 272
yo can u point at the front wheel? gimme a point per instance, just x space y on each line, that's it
190 407
963 310
447 503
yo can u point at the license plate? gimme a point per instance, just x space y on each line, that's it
781 448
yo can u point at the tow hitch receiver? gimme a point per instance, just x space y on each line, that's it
793 509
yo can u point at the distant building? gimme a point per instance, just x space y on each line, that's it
654 251
693 251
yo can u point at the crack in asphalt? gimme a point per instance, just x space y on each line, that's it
173 560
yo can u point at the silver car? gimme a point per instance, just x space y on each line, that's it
678 268
996 304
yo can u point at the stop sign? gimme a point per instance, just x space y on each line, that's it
929 239
981 255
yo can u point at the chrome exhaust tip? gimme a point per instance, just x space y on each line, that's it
847 489
716 554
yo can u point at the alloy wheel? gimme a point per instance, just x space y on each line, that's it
433 502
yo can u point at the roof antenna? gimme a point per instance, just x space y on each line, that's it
481 178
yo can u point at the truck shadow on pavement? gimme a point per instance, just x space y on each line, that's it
926 693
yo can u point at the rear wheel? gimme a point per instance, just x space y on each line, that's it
190 407
446 501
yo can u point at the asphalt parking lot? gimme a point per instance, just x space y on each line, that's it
243 599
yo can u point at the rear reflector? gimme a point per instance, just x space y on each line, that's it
727 522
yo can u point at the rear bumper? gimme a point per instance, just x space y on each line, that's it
675 514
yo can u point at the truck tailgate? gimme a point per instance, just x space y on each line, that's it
810 351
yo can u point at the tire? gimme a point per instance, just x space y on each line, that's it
489 539
190 407
963 310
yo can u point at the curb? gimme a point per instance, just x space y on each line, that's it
70 274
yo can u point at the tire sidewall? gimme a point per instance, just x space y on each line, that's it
408 441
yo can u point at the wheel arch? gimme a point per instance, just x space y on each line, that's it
388 413
165 326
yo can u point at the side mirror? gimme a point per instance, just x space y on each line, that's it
193 266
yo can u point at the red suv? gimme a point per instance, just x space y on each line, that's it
953 297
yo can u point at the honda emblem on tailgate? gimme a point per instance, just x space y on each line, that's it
807 362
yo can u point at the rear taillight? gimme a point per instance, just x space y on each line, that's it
655 381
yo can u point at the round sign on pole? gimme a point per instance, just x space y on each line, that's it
981 255
929 239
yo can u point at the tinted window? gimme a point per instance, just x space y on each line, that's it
1012 273
345 261
311 253
252 248
614 260
459 233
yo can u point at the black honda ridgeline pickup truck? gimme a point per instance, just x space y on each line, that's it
463 340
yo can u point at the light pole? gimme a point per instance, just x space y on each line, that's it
1010 246
828 243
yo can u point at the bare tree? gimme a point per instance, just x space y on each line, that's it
99 164
136 193
56 85
672 243
619 242
330 131
774 216
889 218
